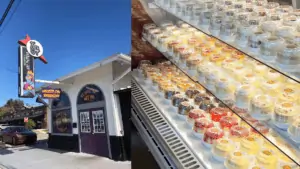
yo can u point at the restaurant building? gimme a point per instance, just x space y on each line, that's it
92 114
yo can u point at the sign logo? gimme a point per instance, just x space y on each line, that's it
50 93
34 48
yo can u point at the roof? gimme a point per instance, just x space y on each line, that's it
117 57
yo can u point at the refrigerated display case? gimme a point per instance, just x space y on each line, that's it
228 94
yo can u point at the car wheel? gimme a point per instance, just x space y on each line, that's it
14 141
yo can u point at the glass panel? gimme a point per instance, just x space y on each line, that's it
85 125
98 121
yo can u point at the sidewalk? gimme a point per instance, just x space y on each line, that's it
39 158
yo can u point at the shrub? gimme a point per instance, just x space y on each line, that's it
30 124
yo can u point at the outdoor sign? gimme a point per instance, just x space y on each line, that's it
25 119
50 93
28 51
90 93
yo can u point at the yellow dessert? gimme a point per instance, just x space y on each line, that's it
286 161
210 40
260 68
239 72
237 160
274 75
251 145
206 52
237 55
223 147
199 46
217 59
267 158
229 64
250 79
219 45
227 50
271 87
288 93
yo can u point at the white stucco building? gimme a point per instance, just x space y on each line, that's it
92 115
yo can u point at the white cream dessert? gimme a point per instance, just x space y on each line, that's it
224 90
243 96
294 129
250 79
267 158
273 75
238 160
262 105
251 144
284 112
288 93
271 87
223 147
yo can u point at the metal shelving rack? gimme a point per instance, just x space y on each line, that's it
164 142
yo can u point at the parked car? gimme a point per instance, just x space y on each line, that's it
17 135
3 126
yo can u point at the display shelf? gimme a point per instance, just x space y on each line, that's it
292 75
278 137
184 132
159 132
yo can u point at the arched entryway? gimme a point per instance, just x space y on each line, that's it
92 121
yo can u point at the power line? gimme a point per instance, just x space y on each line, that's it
10 17
11 2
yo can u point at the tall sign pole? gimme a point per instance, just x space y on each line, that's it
28 51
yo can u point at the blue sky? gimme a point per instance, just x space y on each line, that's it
74 34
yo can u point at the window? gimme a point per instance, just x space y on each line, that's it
85 123
62 115
98 121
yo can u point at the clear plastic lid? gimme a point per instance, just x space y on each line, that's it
228 121
218 112
196 113
239 131
261 128
192 92
203 123
214 133
285 108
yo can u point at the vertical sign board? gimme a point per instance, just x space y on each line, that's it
28 51
26 73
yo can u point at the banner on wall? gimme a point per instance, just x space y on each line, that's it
28 51
48 93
